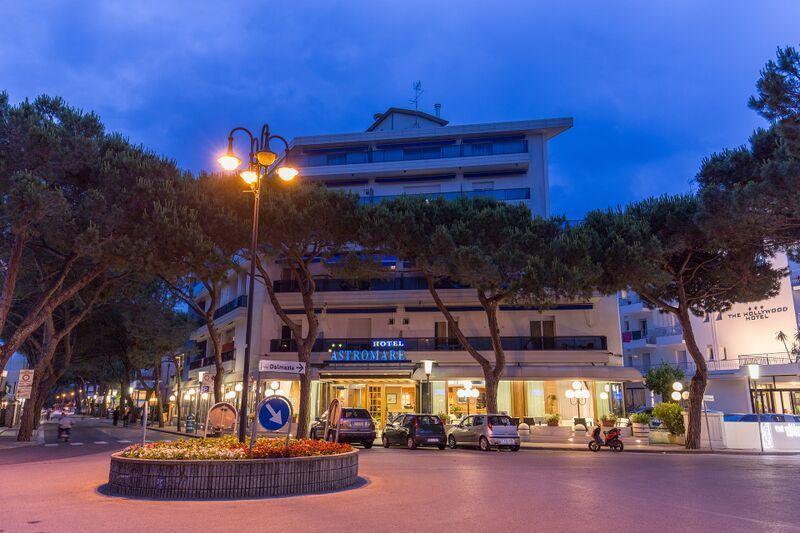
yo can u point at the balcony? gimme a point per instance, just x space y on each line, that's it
501 195
433 344
346 285
722 365
413 152
209 361
239 301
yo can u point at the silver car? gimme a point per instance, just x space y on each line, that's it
485 432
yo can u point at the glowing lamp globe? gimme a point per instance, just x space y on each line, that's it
287 173
229 161
676 395
570 393
249 176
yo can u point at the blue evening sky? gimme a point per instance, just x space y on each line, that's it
653 86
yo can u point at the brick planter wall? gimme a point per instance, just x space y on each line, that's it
247 478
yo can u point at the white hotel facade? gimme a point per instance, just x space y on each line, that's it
746 334
411 152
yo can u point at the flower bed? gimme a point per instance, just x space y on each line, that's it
228 448
225 468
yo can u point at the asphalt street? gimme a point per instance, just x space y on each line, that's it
58 488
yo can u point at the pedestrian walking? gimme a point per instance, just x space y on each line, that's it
115 416
64 426
126 418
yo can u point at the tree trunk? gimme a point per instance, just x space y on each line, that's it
697 388
492 382
10 281
305 406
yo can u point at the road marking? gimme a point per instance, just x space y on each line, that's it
100 442
123 441
48 445
76 444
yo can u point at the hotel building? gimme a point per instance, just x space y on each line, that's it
374 336
746 334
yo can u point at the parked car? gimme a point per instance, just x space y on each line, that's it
485 432
355 425
412 430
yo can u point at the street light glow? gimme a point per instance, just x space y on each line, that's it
754 371
249 176
287 173
677 386
229 161
676 396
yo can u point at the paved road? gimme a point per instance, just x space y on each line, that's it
54 489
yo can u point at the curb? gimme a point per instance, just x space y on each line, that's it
170 432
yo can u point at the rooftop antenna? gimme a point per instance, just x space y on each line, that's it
417 93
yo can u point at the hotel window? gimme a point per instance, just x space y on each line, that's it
483 186
710 350
445 335
534 395
542 333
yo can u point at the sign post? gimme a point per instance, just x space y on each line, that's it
708 398
25 384
273 413
334 413
222 415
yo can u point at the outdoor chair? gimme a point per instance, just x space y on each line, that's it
580 422
540 420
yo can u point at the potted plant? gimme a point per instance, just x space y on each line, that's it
608 420
641 424
553 419
671 417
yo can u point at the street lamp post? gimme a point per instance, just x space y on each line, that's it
468 393
260 161
178 372
577 395
753 373
427 366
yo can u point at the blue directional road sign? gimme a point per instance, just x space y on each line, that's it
274 414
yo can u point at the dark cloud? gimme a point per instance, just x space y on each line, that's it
652 88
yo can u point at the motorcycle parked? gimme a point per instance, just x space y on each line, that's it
612 440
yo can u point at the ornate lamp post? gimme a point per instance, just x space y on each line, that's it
259 164
577 395
468 393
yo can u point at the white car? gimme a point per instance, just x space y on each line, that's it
485 432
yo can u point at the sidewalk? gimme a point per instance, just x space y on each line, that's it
580 443
8 438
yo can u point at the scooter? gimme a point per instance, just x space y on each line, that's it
63 434
612 440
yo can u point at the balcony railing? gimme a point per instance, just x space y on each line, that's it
415 152
239 301
725 364
345 285
433 344
651 335
501 195
209 361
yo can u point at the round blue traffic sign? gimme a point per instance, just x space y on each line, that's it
274 413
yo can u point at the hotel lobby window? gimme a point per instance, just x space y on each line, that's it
534 397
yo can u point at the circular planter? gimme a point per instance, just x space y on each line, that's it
244 478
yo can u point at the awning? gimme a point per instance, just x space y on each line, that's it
535 372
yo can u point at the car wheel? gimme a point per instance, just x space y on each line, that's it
410 444
367 444
483 443
385 441
451 441
440 446
594 446
514 448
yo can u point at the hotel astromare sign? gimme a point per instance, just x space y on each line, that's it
380 351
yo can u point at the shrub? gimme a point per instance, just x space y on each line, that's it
609 417
229 448
640 418
552 419
671 415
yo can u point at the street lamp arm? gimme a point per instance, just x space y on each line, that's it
280 138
